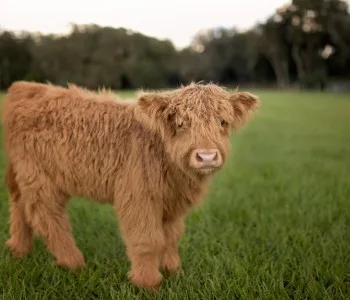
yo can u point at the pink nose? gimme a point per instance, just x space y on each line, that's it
206 156
203 158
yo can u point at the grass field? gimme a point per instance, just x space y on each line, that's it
275 225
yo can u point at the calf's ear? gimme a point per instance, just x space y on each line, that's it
244 105
153 104
152 110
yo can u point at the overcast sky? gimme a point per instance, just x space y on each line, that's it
177 20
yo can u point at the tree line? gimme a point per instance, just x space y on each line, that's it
304 43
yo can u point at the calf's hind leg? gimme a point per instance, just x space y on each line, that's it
20 242
45 209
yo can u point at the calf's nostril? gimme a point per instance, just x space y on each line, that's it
198 157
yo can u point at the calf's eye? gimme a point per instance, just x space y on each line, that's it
222 122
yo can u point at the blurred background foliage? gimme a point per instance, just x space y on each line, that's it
304 44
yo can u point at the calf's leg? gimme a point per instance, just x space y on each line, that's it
143 235
51 223
173 230
20 242
45 211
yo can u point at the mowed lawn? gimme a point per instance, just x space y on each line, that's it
275 225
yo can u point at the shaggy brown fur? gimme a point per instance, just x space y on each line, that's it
152 159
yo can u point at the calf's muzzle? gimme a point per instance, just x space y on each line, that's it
206 158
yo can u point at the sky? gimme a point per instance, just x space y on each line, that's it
177 20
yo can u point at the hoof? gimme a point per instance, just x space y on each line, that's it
73 263
171 265
148 281
177 272
18 249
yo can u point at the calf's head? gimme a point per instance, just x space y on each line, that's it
195 123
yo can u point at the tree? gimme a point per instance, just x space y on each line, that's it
15 58
306 41
311 29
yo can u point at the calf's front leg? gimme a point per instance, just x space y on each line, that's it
142 232
173 230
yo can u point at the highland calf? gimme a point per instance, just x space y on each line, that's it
152 159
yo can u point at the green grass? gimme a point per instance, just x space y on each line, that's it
275 225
